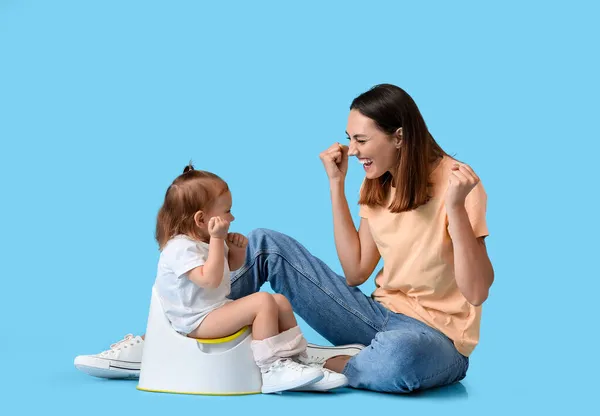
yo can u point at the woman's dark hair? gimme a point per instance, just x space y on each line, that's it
391 108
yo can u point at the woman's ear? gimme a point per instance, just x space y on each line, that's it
398 138
199 219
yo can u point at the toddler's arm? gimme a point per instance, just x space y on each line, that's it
210 274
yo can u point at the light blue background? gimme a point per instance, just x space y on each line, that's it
103 103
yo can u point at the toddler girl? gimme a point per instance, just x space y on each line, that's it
193 281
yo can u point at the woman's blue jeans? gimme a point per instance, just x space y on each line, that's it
402 353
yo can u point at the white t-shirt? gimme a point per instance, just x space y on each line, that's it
185 303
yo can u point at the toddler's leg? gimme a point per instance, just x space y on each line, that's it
287 320
288 326
258 309
288 342
270 348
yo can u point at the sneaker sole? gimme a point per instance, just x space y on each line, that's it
111 373
103 368
324 387
293 384
350 349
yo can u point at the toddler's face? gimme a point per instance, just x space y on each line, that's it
222 208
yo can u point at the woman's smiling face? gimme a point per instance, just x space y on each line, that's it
375 150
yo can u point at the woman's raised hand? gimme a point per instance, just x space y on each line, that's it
335 161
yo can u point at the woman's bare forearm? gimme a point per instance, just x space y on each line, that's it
347 242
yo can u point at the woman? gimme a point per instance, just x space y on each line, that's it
424 214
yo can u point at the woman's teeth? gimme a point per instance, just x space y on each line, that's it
366 162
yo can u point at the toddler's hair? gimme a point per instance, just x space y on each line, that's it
192 191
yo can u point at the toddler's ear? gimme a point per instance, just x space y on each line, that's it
200 219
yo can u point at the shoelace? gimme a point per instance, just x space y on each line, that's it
285 362
121 344
313 361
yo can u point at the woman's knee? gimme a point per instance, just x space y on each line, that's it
263 238
259 234
401 355
396 362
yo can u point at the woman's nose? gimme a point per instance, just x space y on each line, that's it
352 149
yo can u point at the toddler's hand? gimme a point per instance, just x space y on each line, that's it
218 227
236 240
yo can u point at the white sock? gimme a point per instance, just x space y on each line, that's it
284 345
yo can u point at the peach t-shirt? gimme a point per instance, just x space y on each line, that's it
417 278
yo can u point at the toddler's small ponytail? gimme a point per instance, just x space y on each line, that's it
188 168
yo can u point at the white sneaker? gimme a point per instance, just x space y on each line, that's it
316 355
122 360
331 380
285 374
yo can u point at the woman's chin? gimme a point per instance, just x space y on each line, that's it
371 174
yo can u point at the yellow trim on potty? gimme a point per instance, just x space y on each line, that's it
198 393
224 339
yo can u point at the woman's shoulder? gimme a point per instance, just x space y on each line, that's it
444 171
446 163
444 167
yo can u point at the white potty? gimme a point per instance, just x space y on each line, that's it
173 363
